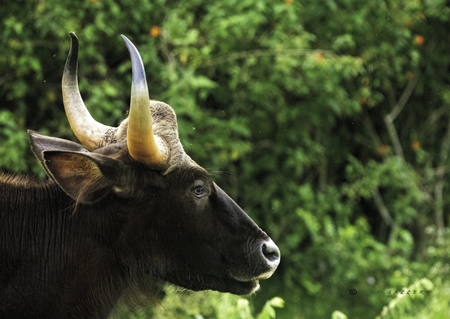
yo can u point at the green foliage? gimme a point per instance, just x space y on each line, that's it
202 305
403 302
15 144
338 315
330 119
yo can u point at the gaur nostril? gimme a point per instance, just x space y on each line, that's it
271 251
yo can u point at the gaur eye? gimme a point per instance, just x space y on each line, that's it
199 191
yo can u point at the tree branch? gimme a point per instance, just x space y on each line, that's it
439 185
392 131
382 209
396 110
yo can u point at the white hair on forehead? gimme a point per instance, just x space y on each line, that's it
165 128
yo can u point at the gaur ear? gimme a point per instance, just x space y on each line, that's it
81 174
40 143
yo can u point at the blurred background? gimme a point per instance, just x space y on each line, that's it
328 121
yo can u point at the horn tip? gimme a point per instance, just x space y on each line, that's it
127 41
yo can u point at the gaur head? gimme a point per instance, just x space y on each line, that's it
170 219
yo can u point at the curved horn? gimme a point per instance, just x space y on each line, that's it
143 145
88 131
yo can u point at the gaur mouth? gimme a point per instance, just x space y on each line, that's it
210 282
234 286
245 287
